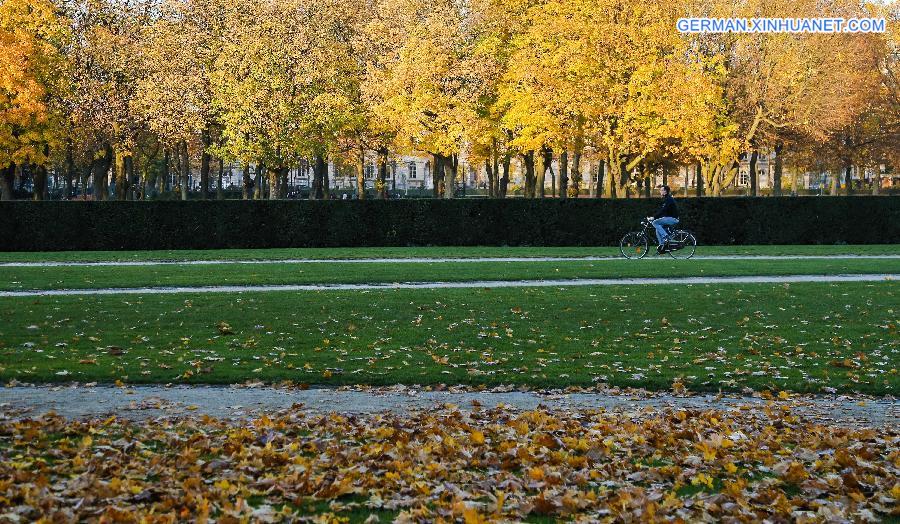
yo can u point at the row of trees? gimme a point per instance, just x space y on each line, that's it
138 89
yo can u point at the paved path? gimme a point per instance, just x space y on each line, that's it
462 285
145 402
428 260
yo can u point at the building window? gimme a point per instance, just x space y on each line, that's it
412 170
744 178
370 171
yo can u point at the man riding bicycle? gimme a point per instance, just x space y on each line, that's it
666 216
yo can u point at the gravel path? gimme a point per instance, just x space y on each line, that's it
426 260
462 285
147 402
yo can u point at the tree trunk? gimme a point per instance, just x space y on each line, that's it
71 171
437 178
528 162
754 156
204 164
624 175
258 181
246 183
320 176
131 183
326 182
382 173
546 165
315 192
552 182
699 180
178 165
450 176
163 183
185 170
490 177
848 178
278 182
552 179
39 186
563 174
504 180
720 176
315 187
273 177
876 184
7 176
610 179
601 178
575 174
361 176
100 173
85 175
794 181
779 167
119 177
496 163
220 191
274 182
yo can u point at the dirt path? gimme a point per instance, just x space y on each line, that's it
429 260
681 281
147 402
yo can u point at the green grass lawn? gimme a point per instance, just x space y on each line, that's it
801 337
412 252
72 277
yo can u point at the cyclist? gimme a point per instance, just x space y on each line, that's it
666 216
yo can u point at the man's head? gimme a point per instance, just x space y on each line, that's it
664 191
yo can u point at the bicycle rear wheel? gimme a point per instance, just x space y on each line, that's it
682 244
634 245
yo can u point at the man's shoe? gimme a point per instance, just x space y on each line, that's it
660 250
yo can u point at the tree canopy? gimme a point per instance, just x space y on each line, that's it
119 84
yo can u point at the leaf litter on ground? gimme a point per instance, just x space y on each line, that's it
450 465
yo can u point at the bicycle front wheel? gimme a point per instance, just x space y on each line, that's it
682 244
634 245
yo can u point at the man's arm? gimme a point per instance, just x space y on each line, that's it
662 209
666 209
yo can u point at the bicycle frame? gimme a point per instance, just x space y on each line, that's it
649 227
677 240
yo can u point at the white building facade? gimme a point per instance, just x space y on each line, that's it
413 175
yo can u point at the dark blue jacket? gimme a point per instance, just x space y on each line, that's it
668 209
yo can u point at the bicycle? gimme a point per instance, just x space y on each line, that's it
681 244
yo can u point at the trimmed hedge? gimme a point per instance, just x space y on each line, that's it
51 226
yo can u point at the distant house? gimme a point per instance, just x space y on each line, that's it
415 173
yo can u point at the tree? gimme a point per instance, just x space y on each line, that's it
286 97
107 69
32 37
175 93
780 85
416 87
